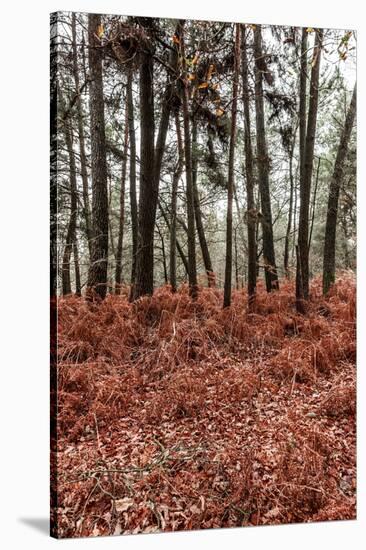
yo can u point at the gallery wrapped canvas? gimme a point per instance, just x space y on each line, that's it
203 257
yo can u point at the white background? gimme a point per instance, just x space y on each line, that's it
24 286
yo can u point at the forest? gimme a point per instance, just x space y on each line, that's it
203 274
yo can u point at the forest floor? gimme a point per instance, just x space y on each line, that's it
177 415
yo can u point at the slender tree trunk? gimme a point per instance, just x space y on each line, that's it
230 186
344 223
313 203
150 175
179 246
290 212
192 270
302 99
97 276
302 140
294 231
263 168
236 259
133 197
163 252
251 217
302 270
83 163
144 282
71 242
332 212
173 214
66 259
197 211
75 251
118 275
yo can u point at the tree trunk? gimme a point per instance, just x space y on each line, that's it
290 212
83 163
263 168
344 224
133 197
144 282
313 202
151 161
332 212
71 242
66 258
236 259
165 268
192 270
197 211
118 276
251 218
77 268
97 275
173 214
302 269
302 99
179 247
230 185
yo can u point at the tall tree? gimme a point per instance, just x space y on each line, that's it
290 209
302 273
230 184
334 188
197 211
251 217
118 275
144 281
151 162
173 207
71 241
79 108
192 269
132 172
302 99
260 67
97 275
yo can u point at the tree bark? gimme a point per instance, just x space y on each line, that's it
173 212
302 99
332 212
132 176
290 212
251 218
118 275
230 185
313 203
150 168
263 168
179 246
144 282
83 163
192 270
97 275
71 243
302 269
197 212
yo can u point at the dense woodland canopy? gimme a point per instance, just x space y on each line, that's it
206 152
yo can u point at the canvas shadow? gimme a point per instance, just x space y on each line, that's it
39 524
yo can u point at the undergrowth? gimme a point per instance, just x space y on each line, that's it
175 414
